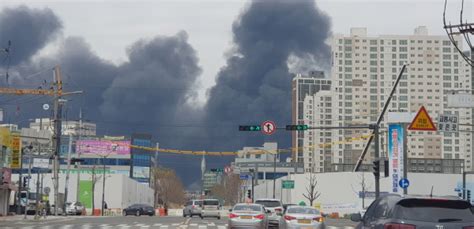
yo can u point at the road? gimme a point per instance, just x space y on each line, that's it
129 222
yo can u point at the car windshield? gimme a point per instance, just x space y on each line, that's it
269 203
248 208
439 211
309 211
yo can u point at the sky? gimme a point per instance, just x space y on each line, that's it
111 26
188 72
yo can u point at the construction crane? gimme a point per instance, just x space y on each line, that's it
57 92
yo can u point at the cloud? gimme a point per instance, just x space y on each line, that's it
28 29
255 84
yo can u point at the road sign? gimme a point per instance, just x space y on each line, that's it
45 106
422 121
448 123
268 127
46 190
228 170
288 184
457 190
244 176
40 163
404 183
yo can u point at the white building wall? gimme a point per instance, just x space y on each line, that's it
120 190
339 191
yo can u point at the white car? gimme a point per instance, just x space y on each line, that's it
302 217
211 208
275 207
74 208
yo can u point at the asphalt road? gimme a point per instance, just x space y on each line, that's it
132 222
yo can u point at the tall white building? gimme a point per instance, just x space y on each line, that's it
363 72
303 86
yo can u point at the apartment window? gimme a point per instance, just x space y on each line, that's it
447 43
373 56
373 49
373 42
403 56
403 42
347 41
403 49
446 49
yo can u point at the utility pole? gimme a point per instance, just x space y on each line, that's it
28 183
78 156
38 189
67 171
274 173
57 138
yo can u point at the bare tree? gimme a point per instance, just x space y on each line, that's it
228 189
363 188
168 187
95 178
311 193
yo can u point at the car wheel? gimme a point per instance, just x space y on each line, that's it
218 218
137 213
202 217
124 213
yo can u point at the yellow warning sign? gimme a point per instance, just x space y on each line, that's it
422 121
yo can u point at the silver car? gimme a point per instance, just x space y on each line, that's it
275 207
302 217
248 216
211 208
192 208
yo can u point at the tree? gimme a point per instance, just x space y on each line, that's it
228 189
311 193
168 188
363 187
95 178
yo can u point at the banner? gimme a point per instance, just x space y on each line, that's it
103 147
395 154
114 138
16 152
85 193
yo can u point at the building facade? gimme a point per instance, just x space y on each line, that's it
363 72
68 127
302 86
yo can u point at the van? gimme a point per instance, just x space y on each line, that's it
211 208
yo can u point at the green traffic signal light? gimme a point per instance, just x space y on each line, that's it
297 127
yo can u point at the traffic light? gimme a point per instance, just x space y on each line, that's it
468 195
250 128
249 194
386 168
297 127
1 177
25 182
376 168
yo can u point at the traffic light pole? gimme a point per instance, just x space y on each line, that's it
464 190
377 158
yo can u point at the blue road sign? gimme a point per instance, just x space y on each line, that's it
404 183
457 190
244 176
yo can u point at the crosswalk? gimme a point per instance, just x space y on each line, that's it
141 225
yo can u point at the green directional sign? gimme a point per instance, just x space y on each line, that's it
85 193
288 184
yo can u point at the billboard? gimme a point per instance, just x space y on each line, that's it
141 172
395 154
103 147
16 153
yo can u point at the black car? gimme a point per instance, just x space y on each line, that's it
417 212
139 209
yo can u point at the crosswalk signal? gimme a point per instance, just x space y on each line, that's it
249 194
376 168
297 127
250 128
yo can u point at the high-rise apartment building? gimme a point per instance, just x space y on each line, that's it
302 86
363 72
